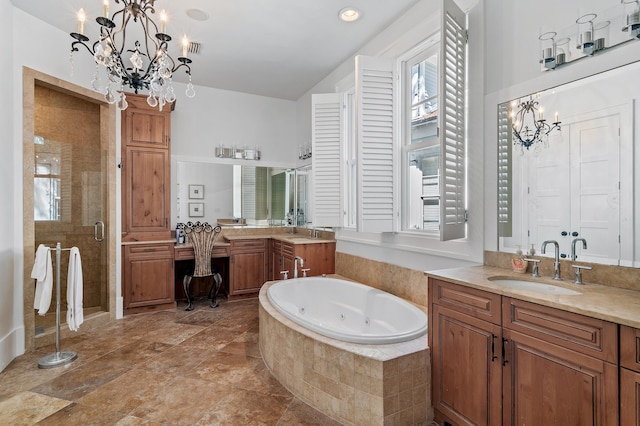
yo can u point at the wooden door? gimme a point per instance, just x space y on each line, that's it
148 275
249 272
546 384
146 192
466 370
629 397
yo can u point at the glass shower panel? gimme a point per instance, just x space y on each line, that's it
70 194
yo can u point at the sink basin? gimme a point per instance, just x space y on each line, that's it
536 287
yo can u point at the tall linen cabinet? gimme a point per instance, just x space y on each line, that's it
147 246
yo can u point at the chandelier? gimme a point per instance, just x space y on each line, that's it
530 129
142 65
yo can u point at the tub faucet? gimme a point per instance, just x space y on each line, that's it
556 263
295 265
573 246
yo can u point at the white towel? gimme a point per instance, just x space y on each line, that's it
43 273
75 316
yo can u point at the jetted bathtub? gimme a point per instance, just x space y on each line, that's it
347 311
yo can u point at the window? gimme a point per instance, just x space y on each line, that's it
421 147
434 133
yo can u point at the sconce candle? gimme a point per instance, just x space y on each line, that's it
555 118
185 46
105 8
81 18
163 21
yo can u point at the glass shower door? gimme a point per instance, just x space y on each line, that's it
70 194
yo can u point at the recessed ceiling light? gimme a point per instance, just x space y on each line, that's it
197 14
349 14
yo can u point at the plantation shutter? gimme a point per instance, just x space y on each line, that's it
505 220
326 131
249 192
375 139
452 127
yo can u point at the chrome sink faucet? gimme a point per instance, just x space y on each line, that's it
295 265
556 263
573 246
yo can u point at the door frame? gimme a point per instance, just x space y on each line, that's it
31 78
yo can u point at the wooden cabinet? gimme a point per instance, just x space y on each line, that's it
148 276
147 270
629 376
319 258
559 367
248 265
145 171
465 340
502 361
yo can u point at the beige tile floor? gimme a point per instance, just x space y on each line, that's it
168 367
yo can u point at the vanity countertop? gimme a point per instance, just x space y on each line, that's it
286 237
608 303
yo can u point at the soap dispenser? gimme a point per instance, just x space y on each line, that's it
518 262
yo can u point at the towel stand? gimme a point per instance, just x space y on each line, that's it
58 358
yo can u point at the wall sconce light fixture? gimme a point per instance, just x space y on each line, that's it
632 18
238 153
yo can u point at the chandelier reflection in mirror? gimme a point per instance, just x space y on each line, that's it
142 65
529 128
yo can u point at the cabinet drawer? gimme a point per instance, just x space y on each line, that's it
276 245
156 251
288 249
477 303
248 245
630 348
590 336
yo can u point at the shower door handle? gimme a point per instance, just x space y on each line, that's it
95 231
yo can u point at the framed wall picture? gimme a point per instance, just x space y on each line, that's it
196 209
196 192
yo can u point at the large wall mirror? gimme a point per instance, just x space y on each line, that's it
578 180
240 194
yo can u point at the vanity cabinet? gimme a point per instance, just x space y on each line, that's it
148 277
502 361
319 258
629 376
248 266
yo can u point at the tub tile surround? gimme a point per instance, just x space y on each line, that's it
408 284
353 384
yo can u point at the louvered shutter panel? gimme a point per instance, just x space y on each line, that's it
249 192
326 132
452 127
375 139
505 222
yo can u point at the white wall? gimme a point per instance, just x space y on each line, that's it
512 53
11 327
419 252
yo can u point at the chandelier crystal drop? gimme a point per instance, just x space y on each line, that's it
144 64
529 128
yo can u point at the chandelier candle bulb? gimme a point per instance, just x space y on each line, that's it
105 8
185 46
163 21
81 18
555 118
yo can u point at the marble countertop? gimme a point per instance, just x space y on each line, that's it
613 304
291 238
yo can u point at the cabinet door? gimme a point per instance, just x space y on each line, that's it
148 277
248 272
545 384
630 348
466 370
629 397
145 191
319 258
